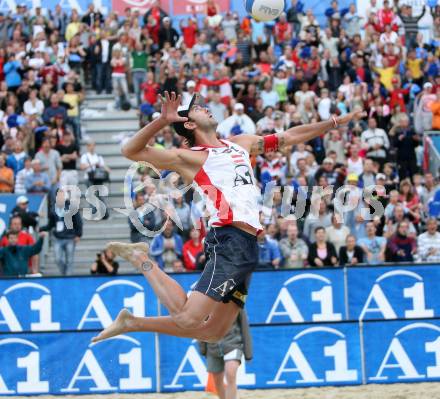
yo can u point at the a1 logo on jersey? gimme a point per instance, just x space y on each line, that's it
317 356
306 297
20 367
395 294
27 306
406 351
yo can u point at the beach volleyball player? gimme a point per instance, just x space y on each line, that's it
221 172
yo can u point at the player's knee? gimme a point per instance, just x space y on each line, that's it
231 368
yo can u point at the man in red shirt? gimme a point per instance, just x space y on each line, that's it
191 249
150 89
282 30
189 32
397 95
24 238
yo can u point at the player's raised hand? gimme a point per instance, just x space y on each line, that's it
355 115
170 104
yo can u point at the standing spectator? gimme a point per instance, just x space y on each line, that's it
373 246
293 249
435 108
167 34
105 263
119 80
23 238
12 73
401 246
67 231
50 161
183 212
68 151
323 219
38 181
15 161
103 52
53 110
139 64
90 161
16 257
167 249
269 253
377 142
428 243
350 253
73 99
192 249
237 123
321 252
217 108
6 176
337 233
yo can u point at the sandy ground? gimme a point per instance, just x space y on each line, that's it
394 391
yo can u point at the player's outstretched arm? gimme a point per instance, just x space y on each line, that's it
300 134
137 148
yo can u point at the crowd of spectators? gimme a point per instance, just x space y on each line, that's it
256 78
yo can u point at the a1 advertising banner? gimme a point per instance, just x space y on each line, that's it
296 297
84 303
402 351
393 292
287 356
199 6
68 363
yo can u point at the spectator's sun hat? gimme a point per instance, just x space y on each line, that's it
22 199
328 160
239 107
190 83
427 85
381 176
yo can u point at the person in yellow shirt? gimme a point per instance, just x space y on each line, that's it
73 27
415 66
73 117
386 73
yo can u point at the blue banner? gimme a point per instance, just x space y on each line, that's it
402 351
296 296
306 355
76 303
9 201
68 363
393 292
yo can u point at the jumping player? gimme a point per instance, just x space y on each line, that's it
221 172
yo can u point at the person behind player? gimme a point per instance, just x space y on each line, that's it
221 172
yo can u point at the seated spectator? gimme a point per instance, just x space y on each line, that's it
6 176
16 257
337 233
33 106
428 243
192 250
350 253
401 247
105 263
29 219
20 179
399 215
53 110
269 253
410 200
166 248
38 182
293 249
24 238
373 246
321 252
324 220
90 161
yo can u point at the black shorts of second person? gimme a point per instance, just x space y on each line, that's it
231 257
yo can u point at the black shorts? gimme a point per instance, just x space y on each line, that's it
231 257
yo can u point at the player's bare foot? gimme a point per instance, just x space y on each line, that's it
134 253
120 326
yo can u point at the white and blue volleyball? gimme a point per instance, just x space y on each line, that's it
265 10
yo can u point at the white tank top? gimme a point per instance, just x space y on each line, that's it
227 184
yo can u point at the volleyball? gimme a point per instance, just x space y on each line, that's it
264 10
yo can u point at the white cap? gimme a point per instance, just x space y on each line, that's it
22 199
155 115
239 107
166 19
427 85
190 83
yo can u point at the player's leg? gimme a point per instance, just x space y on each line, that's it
217 323
231 368
219 379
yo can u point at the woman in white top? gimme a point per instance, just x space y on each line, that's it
33 106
